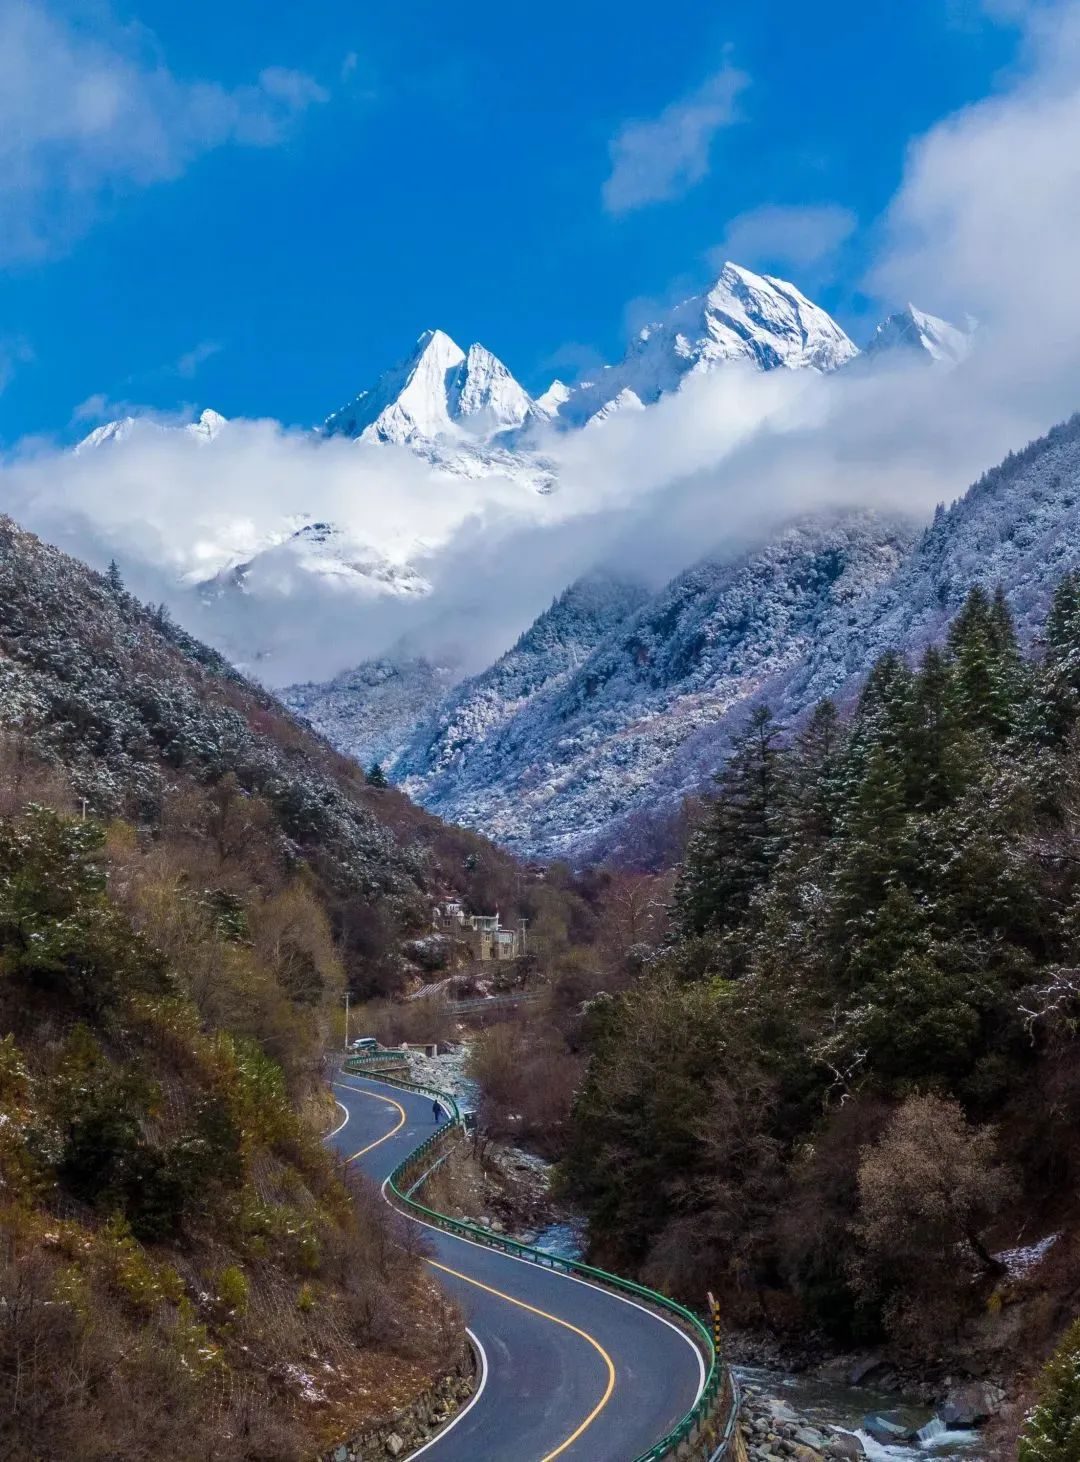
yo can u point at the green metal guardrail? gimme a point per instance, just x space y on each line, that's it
375 1057
447 1100
699 1422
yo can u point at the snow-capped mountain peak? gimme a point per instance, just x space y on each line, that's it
915 332
438 391
767 321
205 428
484 395
754 318
548 403
407 401
626 400
209 424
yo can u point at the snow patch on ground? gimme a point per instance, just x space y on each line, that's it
1020 1262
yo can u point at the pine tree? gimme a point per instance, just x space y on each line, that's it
881 729
935 770
875 824
113 578
730 858
1058 701
815 784
1013 678
376 777
986 665
883 715
1052 1430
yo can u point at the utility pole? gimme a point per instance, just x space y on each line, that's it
346 1020
83 800
524 925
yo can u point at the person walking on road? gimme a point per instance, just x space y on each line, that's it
436 1111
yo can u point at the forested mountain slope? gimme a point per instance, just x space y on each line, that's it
559 771
189 879
866 1123
593 765
552 650
135 710
371 712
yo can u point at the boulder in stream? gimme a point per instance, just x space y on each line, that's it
886 1429
846 1447
970 1405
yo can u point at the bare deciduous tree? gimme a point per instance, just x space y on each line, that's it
928 1189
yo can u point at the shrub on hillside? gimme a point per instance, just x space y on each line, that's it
928 1189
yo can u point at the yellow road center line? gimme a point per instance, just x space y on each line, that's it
389 1101
498 1293
555 1320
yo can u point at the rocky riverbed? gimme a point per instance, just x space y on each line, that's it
445 1072
807 1416
773 1432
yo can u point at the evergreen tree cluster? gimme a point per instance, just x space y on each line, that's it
1052 1430
872 910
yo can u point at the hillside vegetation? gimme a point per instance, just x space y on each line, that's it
849 1082
189 880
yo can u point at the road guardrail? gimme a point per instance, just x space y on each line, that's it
709 1430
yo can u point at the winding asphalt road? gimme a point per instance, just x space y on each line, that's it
570 1370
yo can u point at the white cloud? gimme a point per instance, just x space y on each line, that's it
15 351
650 491
188 364
985 219
804 238
84 118
660 159
988 214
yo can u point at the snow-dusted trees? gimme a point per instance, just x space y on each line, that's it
732 855
872 914
1052 1430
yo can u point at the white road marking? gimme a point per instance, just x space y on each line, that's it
340 1125
560 1273
463 1413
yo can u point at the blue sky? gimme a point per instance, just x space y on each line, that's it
273 200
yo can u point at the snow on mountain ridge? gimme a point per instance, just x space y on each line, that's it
915 332
548 402
549 651
439 390
319 550
370 712
757 319
485 395
410 399
205 428
555 765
